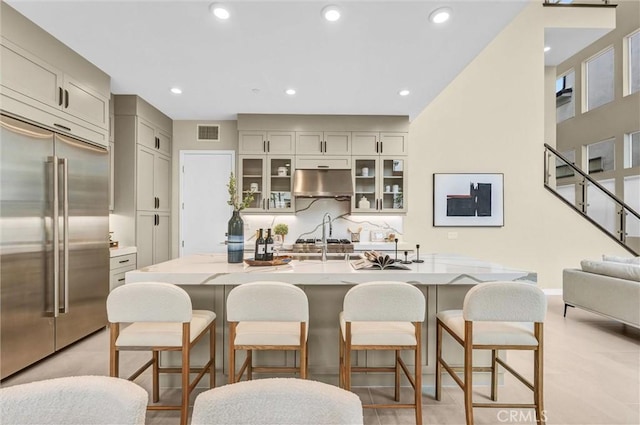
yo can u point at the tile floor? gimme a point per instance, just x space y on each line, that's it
592 377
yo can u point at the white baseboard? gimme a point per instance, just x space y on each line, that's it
554 291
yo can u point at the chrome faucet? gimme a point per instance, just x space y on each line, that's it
325 219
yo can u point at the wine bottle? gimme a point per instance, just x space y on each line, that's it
268 246
260 247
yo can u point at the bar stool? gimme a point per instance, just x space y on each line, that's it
267 316
161 319
494 317
384 316
277 401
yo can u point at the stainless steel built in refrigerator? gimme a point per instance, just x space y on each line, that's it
54 249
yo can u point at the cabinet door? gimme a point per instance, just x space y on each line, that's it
252 142
366 184
145 229
337 143
35 82
146 134
394 184
309 143
364 143
161 242
252 173
145 171
394 143
280 179
162 181
85 103
111 175
281 142
164 142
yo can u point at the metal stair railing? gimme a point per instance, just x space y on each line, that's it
625 229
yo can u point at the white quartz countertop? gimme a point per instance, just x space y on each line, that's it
122 250
213 269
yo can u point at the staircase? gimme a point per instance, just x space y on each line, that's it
591 200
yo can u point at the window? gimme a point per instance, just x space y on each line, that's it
633 59
599 80
632 150
565 108
601 156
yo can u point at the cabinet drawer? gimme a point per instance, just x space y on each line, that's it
116 277
123 261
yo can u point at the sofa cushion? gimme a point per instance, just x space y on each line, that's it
626 260
609 268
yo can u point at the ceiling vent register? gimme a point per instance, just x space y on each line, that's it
208 133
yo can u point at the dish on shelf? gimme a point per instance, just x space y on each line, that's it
277 261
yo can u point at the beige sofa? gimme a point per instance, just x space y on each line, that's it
610 287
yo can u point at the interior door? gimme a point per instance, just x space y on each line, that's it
204 212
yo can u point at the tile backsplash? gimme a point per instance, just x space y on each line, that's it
307 222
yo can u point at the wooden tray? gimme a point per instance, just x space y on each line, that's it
277 261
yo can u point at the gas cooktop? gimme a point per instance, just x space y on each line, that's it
315 245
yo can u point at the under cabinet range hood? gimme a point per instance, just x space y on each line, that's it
322 183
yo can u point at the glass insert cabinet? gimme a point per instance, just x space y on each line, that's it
271 180
379 184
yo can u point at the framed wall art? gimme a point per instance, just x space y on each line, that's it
468 200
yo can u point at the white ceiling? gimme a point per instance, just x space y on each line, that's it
356 65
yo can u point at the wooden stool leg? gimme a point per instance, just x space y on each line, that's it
232 353
538 374
114 353
468 372
347 357
494 375
341 360
186 343
303 351
438 358
212 355
156 376
396 395
418 373
249 365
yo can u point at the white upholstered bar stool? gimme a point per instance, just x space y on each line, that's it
277 401
74 400
267 315
495 316
160 318
384 316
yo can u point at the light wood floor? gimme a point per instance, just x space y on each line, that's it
592 377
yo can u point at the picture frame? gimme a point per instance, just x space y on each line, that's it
468 199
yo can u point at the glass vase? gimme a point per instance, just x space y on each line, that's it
235 238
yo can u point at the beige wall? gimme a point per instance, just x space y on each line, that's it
491 118
185 137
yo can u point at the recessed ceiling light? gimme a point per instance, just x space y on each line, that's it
290 92
546 49
176 90
404 92
219 11
331 13
440 15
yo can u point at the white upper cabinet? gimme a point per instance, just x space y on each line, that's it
32 81
267 142
336 143
384 143
154 138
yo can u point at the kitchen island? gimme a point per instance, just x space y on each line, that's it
444 279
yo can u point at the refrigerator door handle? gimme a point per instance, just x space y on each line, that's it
65 232
56 238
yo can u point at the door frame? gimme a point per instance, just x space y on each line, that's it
183 155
